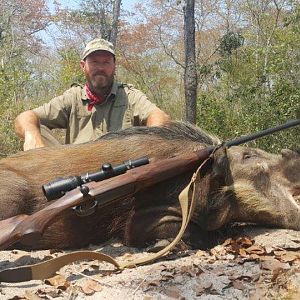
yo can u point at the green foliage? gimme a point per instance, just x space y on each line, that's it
69 71
259 87
251 81
230 119
14 78
157 79
230 42
9 142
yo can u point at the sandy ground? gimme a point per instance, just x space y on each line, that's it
259 264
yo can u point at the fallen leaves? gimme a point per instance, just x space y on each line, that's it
59 282
212 284
287 256
271 264
173 292
239 266
89 287
261 267
246 248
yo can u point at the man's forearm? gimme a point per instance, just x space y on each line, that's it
27 127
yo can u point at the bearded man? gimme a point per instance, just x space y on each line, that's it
89 111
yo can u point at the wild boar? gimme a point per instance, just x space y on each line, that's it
241 185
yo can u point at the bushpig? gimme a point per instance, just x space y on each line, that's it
240 185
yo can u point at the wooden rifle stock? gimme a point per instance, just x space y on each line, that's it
27 229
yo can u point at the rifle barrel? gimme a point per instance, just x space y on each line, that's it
254 136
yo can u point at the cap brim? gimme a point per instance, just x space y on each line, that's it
85 55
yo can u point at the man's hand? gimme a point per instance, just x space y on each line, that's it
32 140
157 118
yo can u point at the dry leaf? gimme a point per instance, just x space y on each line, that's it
254 249
218 250
154 283
234 247
58 282
203 287
237 284
167 277
289 257
279 252
49 291
253 257
167 274
89 287
245 242
199 270
271 264
243 253
190 270
173 292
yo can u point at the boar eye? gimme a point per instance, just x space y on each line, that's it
248 155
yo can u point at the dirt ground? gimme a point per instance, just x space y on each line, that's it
257 264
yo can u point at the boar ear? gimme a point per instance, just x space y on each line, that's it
213 207
288 154
221 166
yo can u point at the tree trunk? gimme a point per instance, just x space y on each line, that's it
190 71
115 21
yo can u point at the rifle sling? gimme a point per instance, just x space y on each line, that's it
48 268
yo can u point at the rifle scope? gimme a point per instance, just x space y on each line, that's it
58 187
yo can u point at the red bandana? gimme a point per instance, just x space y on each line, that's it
95 99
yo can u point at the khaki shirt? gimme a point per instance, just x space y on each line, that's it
124 107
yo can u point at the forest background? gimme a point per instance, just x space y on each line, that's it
247 60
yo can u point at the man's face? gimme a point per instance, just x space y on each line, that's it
99 69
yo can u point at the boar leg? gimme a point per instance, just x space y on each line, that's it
149 224
146 226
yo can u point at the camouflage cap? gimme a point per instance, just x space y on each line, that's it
96 45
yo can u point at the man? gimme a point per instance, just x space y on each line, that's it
88 112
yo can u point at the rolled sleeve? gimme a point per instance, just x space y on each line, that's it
55 113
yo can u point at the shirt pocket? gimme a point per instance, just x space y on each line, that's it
120 117
82 111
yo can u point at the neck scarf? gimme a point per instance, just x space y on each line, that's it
95 99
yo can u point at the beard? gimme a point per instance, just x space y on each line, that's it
100 82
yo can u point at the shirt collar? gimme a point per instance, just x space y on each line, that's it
111 96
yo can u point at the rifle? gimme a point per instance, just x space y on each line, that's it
58 187
28 229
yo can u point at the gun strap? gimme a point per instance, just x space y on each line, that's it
48 268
